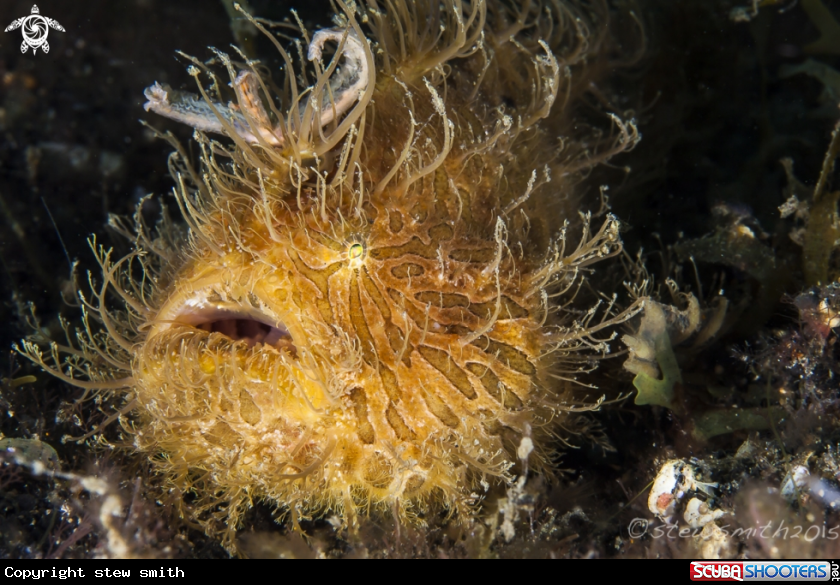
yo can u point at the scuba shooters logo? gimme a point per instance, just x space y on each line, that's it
764 571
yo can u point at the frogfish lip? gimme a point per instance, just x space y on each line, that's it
235 320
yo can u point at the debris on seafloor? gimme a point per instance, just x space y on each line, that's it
31 452
118 532
676 482
822 18
818 229
829 39
827 75
651 347
737 241
698 513
795 480
652 354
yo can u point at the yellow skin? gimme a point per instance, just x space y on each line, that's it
359 318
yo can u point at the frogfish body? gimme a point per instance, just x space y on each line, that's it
369 308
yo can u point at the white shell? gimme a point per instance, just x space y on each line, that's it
795 480
668 488
676 477
698 514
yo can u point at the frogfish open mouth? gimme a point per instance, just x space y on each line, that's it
369 308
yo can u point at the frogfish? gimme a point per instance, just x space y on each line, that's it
370 305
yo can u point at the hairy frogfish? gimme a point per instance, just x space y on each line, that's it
370 304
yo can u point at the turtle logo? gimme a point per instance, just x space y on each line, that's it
35 28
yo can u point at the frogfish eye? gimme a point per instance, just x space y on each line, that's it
355 252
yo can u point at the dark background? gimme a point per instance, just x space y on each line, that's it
714 114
